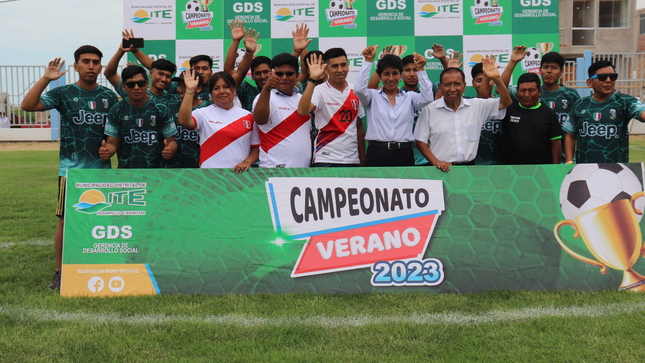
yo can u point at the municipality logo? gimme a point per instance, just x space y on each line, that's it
91 202
94 201
428 11
283 14
141 16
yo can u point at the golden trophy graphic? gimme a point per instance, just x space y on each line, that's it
544 47
599 202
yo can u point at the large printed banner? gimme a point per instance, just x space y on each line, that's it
180 29
211 231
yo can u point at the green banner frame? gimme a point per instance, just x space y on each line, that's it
211 231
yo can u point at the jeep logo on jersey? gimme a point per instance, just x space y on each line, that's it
353 223
146 137
89 118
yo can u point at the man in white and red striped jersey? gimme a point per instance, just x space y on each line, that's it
340 138
284 134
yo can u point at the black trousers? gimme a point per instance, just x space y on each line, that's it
383 157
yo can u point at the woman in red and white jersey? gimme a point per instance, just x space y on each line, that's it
227 133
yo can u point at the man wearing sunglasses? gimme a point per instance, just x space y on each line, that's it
140 127
83 108
599 123
284 134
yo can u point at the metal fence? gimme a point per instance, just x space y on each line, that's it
16 81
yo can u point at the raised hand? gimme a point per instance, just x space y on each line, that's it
251 41
52 72
300 41
387 50
438 51
420 61
370 53
456 60
191 81
237 29
518 54
316 67
127 36
489 67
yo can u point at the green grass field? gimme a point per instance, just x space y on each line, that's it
37 325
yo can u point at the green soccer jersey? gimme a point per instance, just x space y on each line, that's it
246 93
601 129
561 101
82 120
141 131
187 155
489 150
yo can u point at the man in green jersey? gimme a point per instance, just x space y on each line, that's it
187 140
83 108
599 123
140 127
559 98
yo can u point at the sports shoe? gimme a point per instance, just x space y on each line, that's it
55 285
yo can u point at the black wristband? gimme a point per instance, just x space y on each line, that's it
311 80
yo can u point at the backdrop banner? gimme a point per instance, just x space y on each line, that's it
474 28
353 230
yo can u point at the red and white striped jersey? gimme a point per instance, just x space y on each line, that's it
285 140
225 136
336 114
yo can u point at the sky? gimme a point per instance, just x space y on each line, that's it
33 32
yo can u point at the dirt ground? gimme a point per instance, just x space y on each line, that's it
25 146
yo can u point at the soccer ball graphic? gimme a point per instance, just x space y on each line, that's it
588 186
482 3
532 53
193 6
336 5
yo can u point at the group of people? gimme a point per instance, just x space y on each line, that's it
303 112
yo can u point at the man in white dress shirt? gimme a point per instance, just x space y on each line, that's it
448 130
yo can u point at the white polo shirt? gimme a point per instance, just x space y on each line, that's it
336 116
285 140
225 136
453 136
